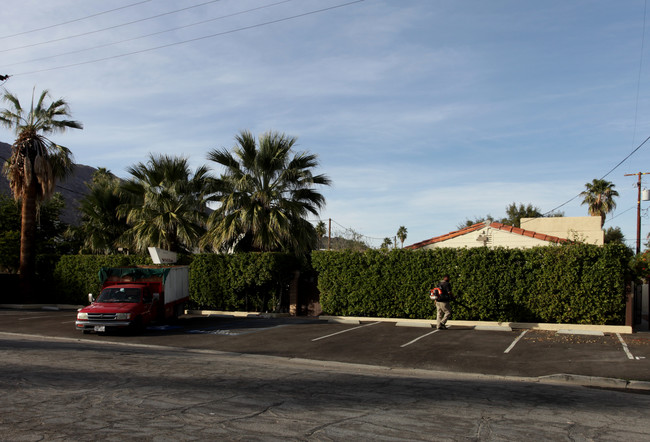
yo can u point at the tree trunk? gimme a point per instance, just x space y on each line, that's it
27 243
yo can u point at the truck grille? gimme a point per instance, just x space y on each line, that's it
101 316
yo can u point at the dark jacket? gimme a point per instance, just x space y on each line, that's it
446 295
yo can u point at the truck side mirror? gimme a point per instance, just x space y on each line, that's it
90 298
156 297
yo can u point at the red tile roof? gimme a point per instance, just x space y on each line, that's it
494 225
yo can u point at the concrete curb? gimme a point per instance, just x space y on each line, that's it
500 326
236 314
595 381
580 332
344 321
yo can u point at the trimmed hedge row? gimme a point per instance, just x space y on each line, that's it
242 281
246 281
576 283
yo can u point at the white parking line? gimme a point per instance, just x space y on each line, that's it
515 341
344 331
36 317
417 339
625 348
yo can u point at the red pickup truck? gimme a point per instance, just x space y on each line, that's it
134 297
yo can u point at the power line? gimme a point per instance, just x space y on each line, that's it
612 170
149 35
205 37
619 214
110 27
626 158
352 230
74 20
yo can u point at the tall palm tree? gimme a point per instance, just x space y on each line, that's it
401 234
265 194
166 205
599 196
386 244
36 163
101 226
321 231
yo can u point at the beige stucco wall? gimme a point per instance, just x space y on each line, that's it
491 238
581 228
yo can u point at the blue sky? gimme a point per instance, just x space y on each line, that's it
423 113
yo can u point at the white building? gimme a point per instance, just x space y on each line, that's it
535 232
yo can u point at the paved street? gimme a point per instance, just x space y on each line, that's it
61 390
302 379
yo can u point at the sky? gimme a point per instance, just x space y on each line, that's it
423 113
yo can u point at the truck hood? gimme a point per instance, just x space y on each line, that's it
110 307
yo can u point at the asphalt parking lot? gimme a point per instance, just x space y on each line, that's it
518 353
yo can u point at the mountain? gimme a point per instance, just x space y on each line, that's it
73 188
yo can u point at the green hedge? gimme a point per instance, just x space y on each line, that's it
242 281
575 283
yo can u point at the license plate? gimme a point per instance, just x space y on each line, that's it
100 328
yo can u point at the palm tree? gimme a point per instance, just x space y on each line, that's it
166 204
599 196
386 244
36 163
101 227
401 234
321 231
265 193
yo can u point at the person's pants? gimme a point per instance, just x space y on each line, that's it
443 312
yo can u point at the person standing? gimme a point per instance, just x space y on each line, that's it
443 303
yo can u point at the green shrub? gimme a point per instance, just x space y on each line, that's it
10 250
241 281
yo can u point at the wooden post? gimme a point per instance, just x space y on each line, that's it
293 294
638 210
629 305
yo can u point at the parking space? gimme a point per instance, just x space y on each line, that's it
639 345
528 353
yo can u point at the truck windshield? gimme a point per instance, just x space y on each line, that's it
121 294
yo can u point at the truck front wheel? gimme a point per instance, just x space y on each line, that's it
137 326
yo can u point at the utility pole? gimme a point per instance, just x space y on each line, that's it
638 210
329 236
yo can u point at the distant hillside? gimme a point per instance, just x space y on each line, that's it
73 189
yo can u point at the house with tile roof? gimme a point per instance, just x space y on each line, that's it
494 234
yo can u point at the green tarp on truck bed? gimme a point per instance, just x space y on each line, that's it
134 272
